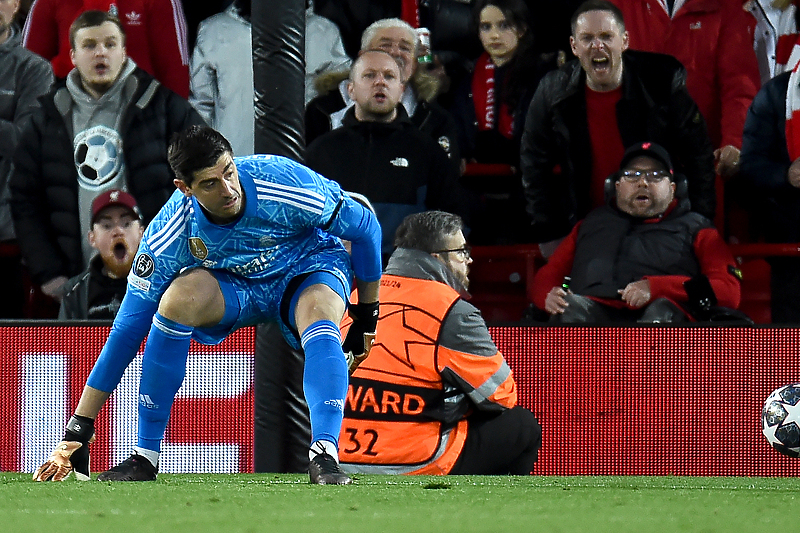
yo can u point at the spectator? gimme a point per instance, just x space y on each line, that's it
380 154
643 258
222 69
116 232
24 77
715 44
241 242
775 36
583 115
155 30
118 122
489 108
461 415
770 179
396 37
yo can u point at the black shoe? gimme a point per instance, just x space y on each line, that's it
324 470
134 468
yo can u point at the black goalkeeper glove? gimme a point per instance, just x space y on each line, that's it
361 333
70 454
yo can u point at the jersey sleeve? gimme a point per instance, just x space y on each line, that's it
355 223
163 252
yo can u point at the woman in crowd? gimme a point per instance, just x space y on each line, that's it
490 108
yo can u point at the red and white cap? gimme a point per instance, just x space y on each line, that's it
114 197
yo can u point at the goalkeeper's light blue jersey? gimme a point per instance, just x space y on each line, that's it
290 214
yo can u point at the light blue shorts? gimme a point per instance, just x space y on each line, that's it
253 301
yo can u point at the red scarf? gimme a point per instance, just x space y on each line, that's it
485 95
793 114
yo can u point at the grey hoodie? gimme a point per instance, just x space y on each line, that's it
99 121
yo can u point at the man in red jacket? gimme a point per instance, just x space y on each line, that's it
714 41
643 258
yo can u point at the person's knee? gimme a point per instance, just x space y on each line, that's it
318 302
193 299
529 426
662 310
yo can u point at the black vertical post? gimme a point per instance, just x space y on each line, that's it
282 429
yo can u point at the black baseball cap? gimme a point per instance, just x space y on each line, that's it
648 149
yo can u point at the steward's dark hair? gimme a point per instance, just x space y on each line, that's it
195 148
427 231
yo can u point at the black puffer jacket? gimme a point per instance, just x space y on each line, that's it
556 152
44 186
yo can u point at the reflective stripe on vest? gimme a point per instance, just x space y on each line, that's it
395 400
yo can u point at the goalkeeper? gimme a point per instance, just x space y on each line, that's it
242 241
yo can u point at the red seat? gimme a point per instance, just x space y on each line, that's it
499 280
756 286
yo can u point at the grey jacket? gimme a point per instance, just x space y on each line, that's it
24 76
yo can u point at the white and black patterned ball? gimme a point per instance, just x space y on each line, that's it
96 158
780 419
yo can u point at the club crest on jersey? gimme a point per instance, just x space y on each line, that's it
143 265
198 248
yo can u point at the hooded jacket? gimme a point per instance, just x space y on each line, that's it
44 186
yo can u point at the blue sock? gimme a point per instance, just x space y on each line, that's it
163 370
324 379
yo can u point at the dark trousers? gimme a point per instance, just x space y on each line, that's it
500 443
583 310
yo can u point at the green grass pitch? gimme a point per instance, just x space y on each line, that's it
232 503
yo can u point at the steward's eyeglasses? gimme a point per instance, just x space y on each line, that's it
464 254
650 176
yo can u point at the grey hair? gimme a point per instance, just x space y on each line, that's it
382 24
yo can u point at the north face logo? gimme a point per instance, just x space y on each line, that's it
399 162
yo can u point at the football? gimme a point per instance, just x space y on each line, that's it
780 419
96 158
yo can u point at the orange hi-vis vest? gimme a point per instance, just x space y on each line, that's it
396 418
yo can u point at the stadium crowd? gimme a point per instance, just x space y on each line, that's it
533 104
515 115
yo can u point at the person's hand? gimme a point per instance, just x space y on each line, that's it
636 294
554 302
55 288
361 334
69 455
793 174
354 360
726 161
